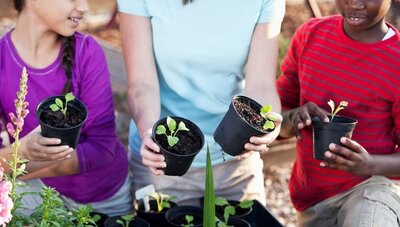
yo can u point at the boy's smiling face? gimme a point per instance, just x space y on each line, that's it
364 18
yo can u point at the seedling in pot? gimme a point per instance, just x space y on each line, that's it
171 137
162 200
125 220
143 193
229 209
334 111
265 112
189 221
59 105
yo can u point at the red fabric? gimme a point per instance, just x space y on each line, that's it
323 63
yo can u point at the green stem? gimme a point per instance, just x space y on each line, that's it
14 164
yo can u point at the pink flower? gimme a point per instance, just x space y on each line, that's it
6 203
11 129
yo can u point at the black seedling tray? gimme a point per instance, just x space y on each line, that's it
261 217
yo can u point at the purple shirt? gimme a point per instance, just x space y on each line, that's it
103 165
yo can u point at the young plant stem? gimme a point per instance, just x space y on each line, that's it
14 168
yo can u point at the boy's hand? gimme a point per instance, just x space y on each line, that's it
351 157
302 117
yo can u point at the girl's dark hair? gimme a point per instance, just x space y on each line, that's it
68 50
187 1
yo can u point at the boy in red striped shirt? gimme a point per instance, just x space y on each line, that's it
353 57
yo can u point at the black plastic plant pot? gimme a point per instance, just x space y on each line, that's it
176 215
136 222
153 217
103 218
69 135
239 212
325 133
233 132
238 222
179 157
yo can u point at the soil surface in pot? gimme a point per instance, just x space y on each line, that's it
250 113
180 219
57 119
188 143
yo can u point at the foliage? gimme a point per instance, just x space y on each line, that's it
189 219
269 119
171 137
209 197
125 220
334 111
162 200
59 105
229 209
81 217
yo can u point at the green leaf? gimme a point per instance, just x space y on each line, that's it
219 201
59 103
171 124
269 125
266 109
246 204
161 130
172 140
54 107
228 211
209 197
69 97
189 218
182 126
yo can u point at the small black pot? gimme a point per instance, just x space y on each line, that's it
68 136
153 217
176 215
103 218
325 133
137 222
239 212
233 132
178 164
238 222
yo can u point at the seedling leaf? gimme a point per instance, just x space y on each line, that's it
161 130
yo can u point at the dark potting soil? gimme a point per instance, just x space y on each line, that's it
250 113
188 141
57 119
180 219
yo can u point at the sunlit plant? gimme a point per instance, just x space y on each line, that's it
265 112
229 209
162 200
125 220
173 130
334 111
60 106
189 221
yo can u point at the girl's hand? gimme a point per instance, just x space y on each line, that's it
35 147
302 117
150 153
351 157
260 143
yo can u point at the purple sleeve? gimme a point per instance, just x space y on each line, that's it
98 142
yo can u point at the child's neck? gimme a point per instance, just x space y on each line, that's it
37 46
375 34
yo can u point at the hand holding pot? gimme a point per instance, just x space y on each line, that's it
260 143
150 152
301 117
351 157
35 147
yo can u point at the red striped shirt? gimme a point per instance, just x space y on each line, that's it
322 63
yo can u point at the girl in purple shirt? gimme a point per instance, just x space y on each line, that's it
59 60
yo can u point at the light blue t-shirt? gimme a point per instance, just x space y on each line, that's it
200 50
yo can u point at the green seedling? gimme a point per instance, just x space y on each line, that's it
334 111
162 200
171 137
125 220
265 112
60 106
189 221
229 209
